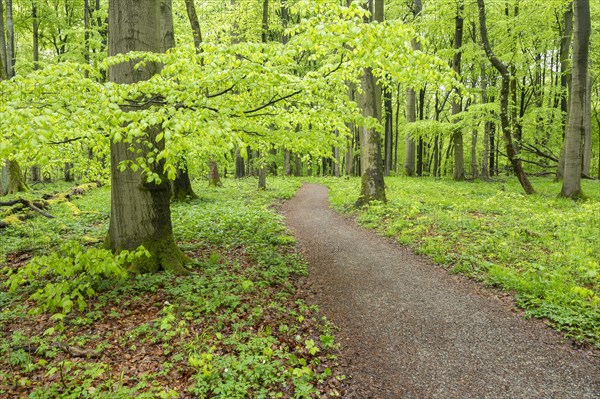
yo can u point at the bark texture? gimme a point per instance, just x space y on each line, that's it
372 185
571 187
140 212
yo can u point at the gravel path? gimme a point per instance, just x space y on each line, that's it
411 330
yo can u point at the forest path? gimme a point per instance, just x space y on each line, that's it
411 330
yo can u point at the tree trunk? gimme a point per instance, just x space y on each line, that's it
68 172
10 41
571 187
410 147
262 172
240 168
504 97
287 166
214 179
336 161
3 52
587 136
35 36
457 136
565 82
16 181
298 171
195 24
485 156
474 154
411 116
388 137
140 210
372 184
181 187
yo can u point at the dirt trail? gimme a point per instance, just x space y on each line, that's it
411 330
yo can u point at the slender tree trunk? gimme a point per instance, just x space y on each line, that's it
298 171
587 136
287 166
388 137
214 179
411 117
3 51
190 8
10 40
140 212
336 162
35 35
565 82
571 187
485 157
457 136
504 97
410 147
240 168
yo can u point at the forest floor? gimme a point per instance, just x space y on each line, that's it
410 329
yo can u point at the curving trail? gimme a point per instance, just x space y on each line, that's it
411 330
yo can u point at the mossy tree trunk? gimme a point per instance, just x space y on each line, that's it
140 211
16 180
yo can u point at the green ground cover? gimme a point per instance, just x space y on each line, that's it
234 328
544 249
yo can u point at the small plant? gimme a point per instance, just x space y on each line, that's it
65 278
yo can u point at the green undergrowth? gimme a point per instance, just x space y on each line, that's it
234 328
544 249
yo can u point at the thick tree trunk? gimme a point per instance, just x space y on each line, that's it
457 136
140 212
565 82
571 187
16 180
372 184
336 161
504 98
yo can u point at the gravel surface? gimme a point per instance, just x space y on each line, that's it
408 329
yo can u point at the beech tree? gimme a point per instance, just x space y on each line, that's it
140 210
571 187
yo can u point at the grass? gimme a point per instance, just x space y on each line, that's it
544 249
234 328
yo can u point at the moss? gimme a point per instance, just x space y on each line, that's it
164 256
11 220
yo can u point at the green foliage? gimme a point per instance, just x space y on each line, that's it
233 328
542 248
67 277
